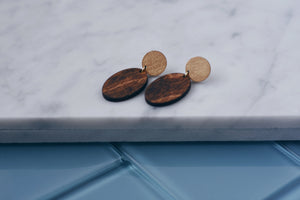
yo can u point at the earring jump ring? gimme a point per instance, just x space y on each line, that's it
186 73
144 68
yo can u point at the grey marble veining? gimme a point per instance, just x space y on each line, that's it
55 56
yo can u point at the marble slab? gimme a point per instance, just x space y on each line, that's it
56 55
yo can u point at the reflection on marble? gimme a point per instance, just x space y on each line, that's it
55 56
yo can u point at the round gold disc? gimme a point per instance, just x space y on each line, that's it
198 69
155 63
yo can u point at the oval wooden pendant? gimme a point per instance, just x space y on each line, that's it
124 84
167 89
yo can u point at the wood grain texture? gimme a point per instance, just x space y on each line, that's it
155 63
124 84
167 89
199 69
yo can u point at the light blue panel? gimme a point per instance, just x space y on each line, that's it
289 191
215 170
122 183
38 171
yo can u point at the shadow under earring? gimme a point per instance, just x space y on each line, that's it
171 88
130 82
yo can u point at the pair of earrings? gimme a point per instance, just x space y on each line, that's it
163 91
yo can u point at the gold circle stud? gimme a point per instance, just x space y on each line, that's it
198 69
155 63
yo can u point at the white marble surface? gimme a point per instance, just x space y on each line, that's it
55 56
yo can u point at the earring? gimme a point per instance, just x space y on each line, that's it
130 82
172 87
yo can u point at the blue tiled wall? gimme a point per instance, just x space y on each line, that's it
200 170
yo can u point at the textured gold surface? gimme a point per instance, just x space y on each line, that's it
155 63
198 68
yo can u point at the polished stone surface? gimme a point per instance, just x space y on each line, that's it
55 57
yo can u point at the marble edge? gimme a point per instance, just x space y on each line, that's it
35 130
149 122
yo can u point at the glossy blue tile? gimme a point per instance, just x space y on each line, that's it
290 191
44 170
120 183
293 147
215 170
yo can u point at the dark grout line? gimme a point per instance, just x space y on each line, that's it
141 172
89 179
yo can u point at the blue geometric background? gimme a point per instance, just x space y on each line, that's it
195 170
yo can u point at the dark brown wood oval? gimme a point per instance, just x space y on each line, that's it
167 89
124 84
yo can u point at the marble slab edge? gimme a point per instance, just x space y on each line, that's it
163 129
